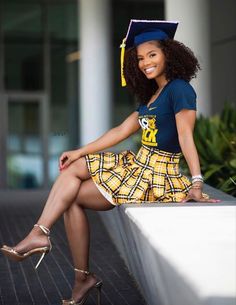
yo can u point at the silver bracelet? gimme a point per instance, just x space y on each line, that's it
197 178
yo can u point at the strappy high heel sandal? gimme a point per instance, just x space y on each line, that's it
16 256
97 285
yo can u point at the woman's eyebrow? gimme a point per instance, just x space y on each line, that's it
139 55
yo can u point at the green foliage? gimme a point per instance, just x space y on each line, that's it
215 139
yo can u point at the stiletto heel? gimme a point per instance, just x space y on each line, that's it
39 261
97 285
45 251
16 256
99 289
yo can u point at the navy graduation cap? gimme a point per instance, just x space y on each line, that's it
140 31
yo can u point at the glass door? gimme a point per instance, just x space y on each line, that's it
25 142
37 72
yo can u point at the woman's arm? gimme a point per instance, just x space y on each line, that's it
185 121
110 138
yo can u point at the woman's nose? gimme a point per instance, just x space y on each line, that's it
146 61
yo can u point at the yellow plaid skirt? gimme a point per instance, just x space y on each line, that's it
150 175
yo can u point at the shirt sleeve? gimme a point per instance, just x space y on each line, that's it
183 96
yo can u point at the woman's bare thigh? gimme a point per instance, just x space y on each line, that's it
90 197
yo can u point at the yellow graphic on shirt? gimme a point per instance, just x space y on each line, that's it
149 130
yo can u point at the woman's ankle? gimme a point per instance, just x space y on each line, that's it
80 277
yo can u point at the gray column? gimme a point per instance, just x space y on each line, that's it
94 72
193 30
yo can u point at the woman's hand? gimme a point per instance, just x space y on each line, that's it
196 194
68 157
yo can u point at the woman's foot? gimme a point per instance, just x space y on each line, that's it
37 242
84 282
35 239
83 285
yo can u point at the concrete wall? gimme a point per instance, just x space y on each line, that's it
179 254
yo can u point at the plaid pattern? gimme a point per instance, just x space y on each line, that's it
151 175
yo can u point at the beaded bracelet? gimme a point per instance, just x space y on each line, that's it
197 186
197 182
194 181
197 178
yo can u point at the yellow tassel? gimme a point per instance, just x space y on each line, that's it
122 56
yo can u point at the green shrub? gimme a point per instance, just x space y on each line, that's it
215 139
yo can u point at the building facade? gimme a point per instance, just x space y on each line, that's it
60 80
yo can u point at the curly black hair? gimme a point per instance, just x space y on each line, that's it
180 63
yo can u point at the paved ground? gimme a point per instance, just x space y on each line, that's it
20 284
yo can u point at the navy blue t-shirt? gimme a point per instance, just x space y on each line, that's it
158 120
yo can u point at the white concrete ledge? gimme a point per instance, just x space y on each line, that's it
179 254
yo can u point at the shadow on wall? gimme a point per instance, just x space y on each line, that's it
219 301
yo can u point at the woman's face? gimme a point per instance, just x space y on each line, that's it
151 59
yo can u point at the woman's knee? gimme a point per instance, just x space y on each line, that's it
80 163
78 168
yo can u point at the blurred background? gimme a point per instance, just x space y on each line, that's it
60 74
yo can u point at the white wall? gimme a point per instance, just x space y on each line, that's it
95 69
194 31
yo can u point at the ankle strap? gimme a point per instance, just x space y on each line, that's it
83 271
45 230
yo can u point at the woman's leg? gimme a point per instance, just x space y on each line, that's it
72 192
77 229
76 223
62 195
64 192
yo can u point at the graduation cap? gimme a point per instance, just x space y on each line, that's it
140 31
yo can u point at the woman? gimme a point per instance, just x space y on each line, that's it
157 70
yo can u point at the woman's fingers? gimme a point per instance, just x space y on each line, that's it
209 200
63 161
66 163
201 199
67 158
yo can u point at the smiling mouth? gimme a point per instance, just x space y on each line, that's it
149 70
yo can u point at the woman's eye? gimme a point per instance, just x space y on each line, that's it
152 54
139 59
